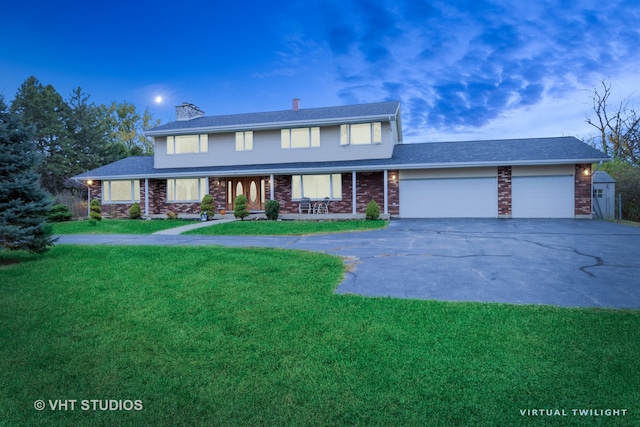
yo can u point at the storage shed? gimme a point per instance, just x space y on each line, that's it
604 194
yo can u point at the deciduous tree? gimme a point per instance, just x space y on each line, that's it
618 126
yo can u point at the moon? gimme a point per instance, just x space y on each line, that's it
158 99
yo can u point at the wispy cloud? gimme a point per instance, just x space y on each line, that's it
464 65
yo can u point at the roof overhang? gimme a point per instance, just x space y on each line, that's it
274 125
337 168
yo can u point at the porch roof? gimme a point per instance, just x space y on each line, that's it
512 152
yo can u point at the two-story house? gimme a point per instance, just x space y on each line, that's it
350 154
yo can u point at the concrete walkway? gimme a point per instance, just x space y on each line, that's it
179 230
572 263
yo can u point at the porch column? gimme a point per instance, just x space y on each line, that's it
354 199
386 191
271 189
146 196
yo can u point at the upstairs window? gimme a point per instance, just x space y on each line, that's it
182 144
244 141
300 137
121 191
361 134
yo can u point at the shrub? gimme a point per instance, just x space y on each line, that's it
206 206
627 178
60 213
373 210
172 215
135 212
95 210
240 207
272 209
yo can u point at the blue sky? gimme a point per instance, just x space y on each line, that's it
463 70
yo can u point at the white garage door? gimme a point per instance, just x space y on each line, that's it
449 198
542 197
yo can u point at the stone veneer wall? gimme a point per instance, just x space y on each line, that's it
114 210
582 190
504 192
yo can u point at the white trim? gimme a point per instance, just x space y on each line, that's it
271 187
271 125
146 196
385 191
333 169
354 200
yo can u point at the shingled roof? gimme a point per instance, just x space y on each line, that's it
324 115
508 152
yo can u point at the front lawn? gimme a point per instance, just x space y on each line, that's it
116 226
229 336
290 228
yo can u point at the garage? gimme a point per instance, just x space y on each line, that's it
543 192
472 193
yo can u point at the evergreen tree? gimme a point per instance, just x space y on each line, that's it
44 108
88 142
240 207
24 205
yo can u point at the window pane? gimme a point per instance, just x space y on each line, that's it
186 189
239 189
361 133
296 189
105 191
136 190
186 144
315 137
170 145
377 132
316 186
344 135
248 140
253 192
203 188
285 136
239 141
336 186
121 191
204 143
171 185
300 138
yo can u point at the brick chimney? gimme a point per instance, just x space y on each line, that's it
295 104
188 111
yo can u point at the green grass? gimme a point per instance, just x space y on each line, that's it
227 336
116 226
290 228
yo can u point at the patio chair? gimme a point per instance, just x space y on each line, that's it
305 205
322 207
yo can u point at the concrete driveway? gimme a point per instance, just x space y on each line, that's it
573 263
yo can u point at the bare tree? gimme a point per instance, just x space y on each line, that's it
618 130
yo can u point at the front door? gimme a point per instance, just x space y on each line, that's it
252 188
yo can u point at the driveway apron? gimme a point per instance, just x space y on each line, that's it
571 263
